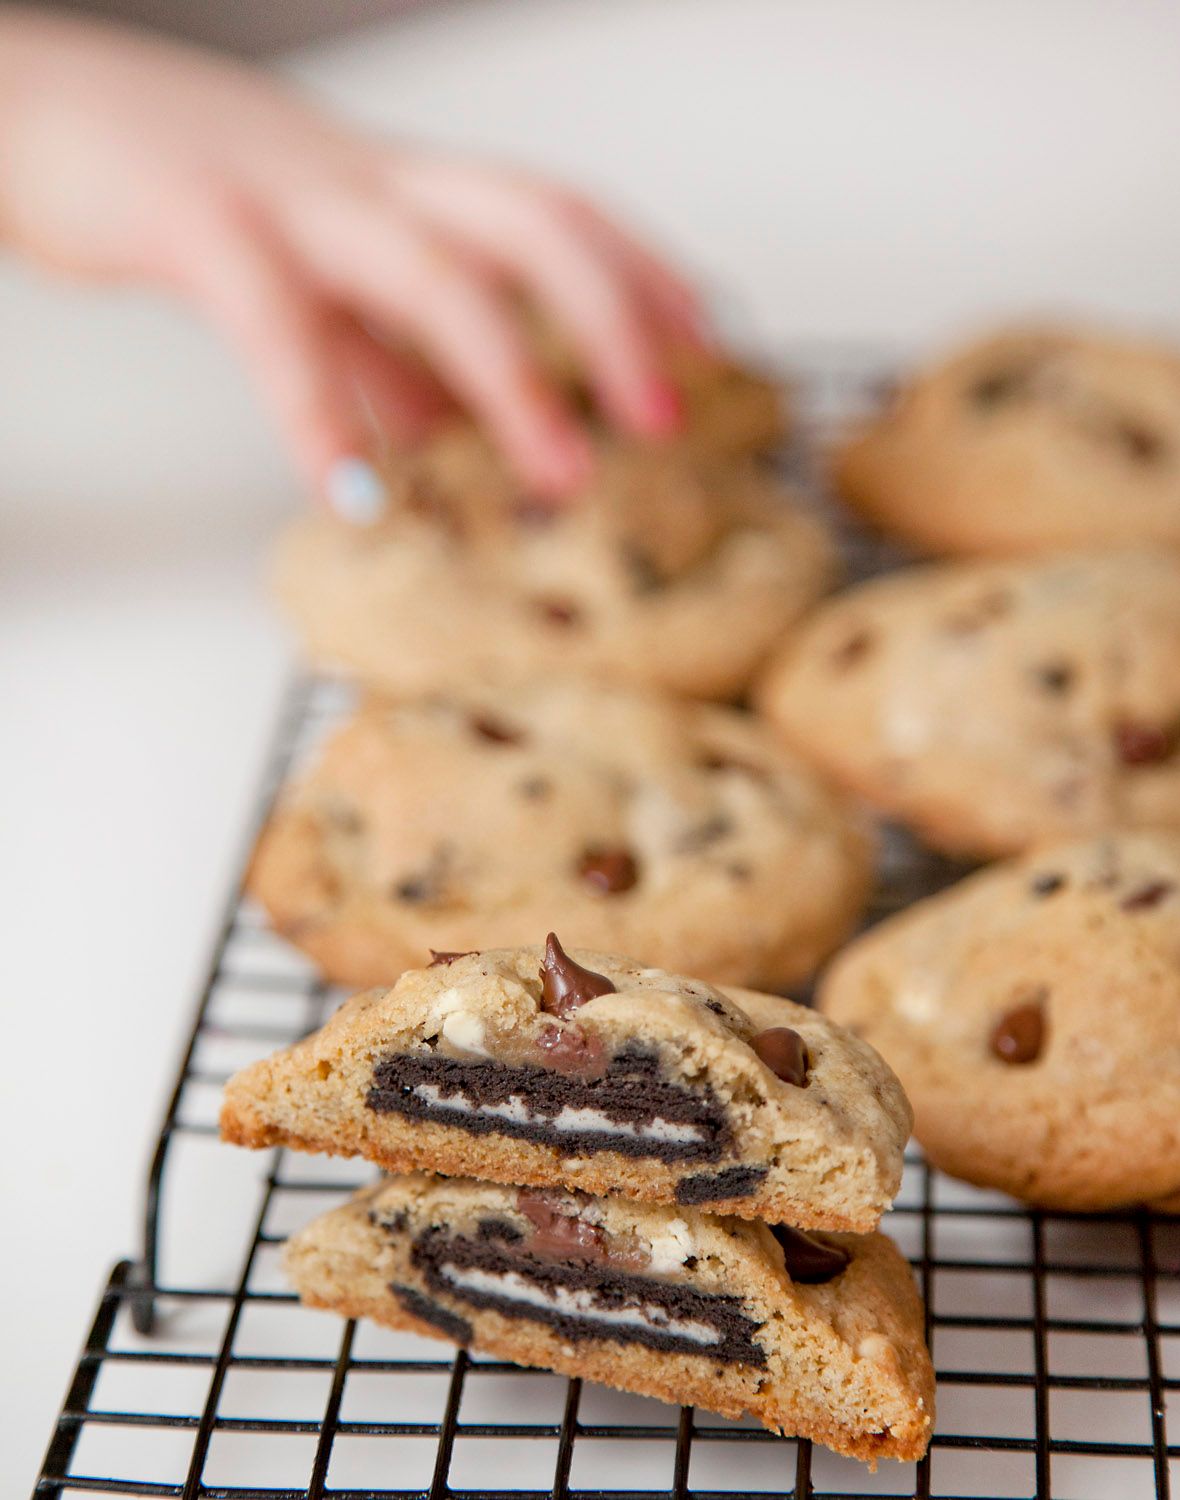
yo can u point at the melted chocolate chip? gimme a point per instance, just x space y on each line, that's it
1055 677
495 731
561 612
1142 444
719 826
1047 883
998 387
646 577
566 1049
809 1260
345 819
980 612
853 649
784 1052
716 760
1019 1034
561 1235
1147 896
414 890
535 788
609 871
565 985
1139 744
439 958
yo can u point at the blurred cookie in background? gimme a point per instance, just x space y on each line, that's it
1032 1013
682 833
667 571
993 705
1027 441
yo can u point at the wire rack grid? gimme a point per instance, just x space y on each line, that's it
1056 1337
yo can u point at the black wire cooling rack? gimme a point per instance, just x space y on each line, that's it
1056 1337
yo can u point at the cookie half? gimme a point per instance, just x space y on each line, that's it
820 1338
531 1066
630 822
1033 1014
994 705
669 571
1032 440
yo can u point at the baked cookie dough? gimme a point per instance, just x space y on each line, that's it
820 1338
993 705
632 823
669 571
530 1065
1032 440
732 409
1033 1015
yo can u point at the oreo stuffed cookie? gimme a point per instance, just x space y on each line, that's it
1032 440
631 822
1033 1014
588 1071
993 705
819 1337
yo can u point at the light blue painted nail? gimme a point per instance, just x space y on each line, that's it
355 491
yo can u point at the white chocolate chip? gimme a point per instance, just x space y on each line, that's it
671 1249
450 1000
465 1031
873 1346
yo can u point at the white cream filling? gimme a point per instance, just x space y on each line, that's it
568 1118
578 1303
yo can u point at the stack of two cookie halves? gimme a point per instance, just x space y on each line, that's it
615 1172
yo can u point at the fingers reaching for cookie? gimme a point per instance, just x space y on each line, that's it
357 281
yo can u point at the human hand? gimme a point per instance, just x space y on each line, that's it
363 283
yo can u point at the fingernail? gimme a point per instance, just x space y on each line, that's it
355 491
662 409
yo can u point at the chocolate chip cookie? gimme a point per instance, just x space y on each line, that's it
731 408
632 823
1032 440
992 705
670 570
819 1337
535 1066
1033 1014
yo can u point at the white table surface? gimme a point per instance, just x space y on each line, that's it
859 170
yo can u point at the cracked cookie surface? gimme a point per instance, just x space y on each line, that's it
675 1304
1029 441
594 1072
1032 1013
993 705
630 823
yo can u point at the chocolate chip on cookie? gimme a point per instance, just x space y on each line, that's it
1019 1034
566 985
809 1260
495 731
561 612
1140 744
784 1052
1147 896
440 959
609 871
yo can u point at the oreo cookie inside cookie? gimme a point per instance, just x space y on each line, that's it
630 1108
585 1297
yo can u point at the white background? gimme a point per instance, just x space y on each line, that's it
890 170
